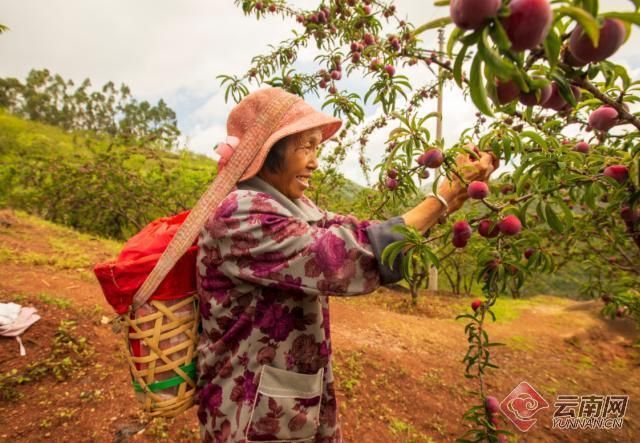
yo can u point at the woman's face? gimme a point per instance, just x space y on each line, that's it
300 160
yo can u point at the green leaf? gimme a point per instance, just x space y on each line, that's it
591 6
500 37
535 137
453 38
553 220
630 17
434 24
502 67
568 213
586 20
552 46
477 88
457 65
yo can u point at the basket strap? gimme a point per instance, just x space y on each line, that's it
266 123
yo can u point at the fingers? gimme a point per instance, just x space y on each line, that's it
472 168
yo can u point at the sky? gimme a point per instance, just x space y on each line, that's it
175 49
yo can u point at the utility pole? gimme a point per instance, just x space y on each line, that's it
433 271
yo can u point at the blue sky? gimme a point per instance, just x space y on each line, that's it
174 50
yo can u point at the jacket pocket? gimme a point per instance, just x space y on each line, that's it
286 407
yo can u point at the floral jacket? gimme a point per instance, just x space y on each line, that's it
266 265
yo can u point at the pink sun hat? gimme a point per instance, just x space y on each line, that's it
249 115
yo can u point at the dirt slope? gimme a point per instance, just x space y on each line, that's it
399 374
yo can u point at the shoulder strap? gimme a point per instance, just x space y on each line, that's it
251 143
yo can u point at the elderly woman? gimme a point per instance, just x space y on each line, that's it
268 260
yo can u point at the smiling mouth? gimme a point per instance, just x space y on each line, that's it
303 180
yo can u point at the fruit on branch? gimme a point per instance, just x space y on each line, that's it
630 215
392 173
528 253
476 304
506 189
272 8
582 147
259 6
368 39
492 404
620 312
538 97
619 173
390 69
391 183
506 91
431 158
557 102
606 298
478 190
462 229
472 14
493 264
336 75
528 23
374 65
603 118
461 233
424 174
571 59
510 225
612 35
333 90
488 229
459 242
367 9
394 42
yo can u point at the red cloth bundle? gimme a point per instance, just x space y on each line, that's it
121 279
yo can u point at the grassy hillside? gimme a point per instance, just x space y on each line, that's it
91 183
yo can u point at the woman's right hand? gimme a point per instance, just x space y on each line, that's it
471 169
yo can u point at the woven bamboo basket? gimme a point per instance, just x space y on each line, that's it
162 336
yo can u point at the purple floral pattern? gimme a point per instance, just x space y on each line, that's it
264 277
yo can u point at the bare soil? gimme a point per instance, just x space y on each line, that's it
398 368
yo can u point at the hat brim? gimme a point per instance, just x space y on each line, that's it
329 126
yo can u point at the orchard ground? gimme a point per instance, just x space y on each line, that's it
398 369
